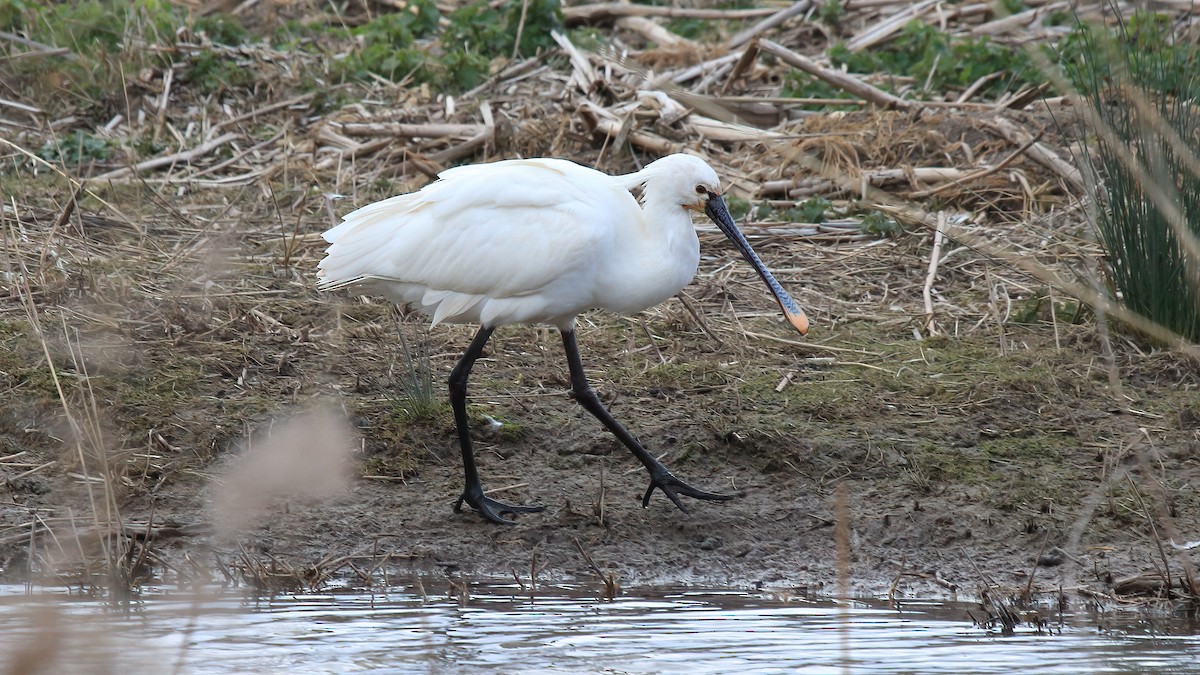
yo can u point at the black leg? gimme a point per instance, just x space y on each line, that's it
660 478
473 492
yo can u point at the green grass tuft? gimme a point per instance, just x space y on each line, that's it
1141 83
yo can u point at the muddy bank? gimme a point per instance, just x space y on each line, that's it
964 469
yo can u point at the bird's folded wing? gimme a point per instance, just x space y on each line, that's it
481 230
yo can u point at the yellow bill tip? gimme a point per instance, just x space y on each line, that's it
798 321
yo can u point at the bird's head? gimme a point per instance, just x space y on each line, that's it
684 180
690 182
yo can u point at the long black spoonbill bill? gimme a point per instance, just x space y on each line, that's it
537 241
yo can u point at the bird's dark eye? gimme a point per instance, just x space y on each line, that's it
700 190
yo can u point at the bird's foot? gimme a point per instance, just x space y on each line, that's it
672 487
491 508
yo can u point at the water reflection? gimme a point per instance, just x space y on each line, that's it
501 631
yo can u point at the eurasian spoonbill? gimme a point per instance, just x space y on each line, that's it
537 241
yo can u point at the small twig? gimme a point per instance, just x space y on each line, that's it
892 24
265 109
796 9
650 337
743 64
184 157
843 81
514 486
689 305
1033 572
516 51
896 583
1162 553
160 119
573 16
1037 152
982 173
397 130
45 49
934 257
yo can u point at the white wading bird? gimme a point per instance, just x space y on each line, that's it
538 241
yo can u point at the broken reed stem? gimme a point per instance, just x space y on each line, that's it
842 537
1162 554
934 257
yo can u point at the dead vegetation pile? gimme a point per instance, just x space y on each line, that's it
157 301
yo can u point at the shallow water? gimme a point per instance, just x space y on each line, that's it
500 630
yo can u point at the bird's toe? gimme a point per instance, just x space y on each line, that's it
492 508
672 487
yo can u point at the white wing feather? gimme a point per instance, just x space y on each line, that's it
507 242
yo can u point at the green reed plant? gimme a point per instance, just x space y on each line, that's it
1141 84
413 374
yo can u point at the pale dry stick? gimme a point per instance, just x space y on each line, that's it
398 130
600 122
581 14
982 173
238 156
717 130
1010 22
994 304
742 65
811 345
977 85
514 486
34 470
653 32
516 50
45 49
776 19
1037 151
843 81
264 110
934 258
1162 554
32 110
920 174
889 26
160 119
184 156
582 73
1054 319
